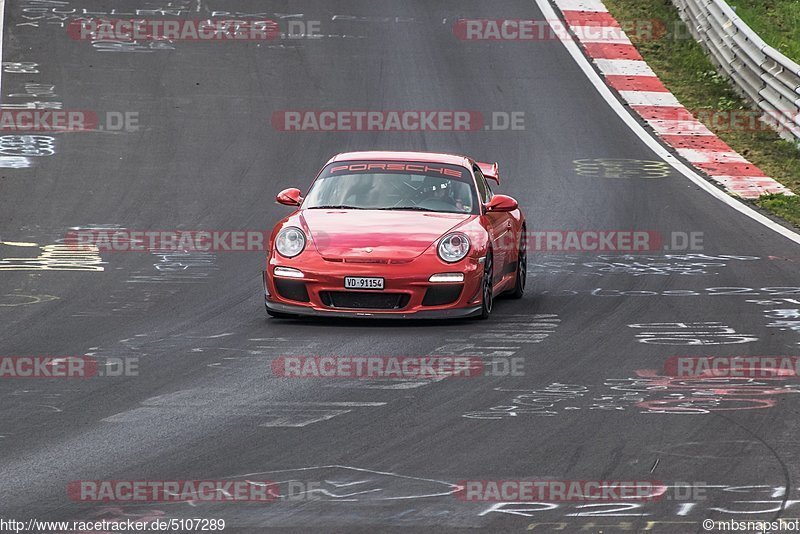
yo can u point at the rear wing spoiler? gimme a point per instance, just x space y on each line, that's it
490 171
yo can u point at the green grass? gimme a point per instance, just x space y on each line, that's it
685 69
786 207
776 21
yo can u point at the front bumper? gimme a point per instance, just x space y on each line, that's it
322 284
453 313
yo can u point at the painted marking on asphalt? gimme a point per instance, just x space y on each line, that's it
621 168
193 404
13 300
56 257
502 339
690 334
385 486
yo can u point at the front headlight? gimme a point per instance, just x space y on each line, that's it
453 247
290 242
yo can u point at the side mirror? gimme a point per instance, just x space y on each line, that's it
502 203
290 197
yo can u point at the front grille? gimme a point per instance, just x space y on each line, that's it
291 289
363 300
440 295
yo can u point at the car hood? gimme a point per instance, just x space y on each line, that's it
391 235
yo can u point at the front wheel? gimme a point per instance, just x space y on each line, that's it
487 287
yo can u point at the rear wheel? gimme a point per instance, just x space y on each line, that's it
522 268
487 288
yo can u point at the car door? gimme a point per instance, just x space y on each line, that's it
499 225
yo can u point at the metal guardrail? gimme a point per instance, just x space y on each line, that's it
762 74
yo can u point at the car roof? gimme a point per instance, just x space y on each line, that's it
392 155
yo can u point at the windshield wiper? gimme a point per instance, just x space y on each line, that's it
406 208
336 207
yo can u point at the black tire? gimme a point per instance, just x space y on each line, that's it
487 287
522 268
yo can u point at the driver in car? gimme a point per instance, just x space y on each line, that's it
443 193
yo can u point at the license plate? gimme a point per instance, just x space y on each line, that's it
360 282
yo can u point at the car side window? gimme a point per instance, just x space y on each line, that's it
483 188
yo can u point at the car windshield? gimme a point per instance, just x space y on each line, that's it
394 186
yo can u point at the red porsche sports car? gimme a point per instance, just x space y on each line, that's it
396 234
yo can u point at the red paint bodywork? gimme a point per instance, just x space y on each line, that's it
403 250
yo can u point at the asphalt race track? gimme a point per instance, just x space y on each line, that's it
205 405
